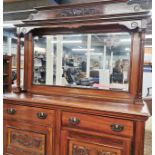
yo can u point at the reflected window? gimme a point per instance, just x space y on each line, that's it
98 61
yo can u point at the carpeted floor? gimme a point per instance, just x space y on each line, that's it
148 137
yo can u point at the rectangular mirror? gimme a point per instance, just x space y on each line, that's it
96 61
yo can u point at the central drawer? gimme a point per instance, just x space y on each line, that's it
29 114
98 123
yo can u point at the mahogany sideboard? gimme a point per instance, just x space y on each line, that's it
85 102
58 125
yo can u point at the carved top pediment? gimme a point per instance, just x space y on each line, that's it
101 8
103 12
70 11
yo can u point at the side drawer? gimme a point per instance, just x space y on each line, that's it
29 114
98 123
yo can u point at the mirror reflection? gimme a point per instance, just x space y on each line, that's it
98 61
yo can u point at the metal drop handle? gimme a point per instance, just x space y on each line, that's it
117 127
42 115
11 111
74 121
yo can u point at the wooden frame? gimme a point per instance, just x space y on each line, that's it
104 122
91 17
79 91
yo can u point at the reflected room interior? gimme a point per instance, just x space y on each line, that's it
97 61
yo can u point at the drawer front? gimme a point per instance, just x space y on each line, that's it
98 123
30 114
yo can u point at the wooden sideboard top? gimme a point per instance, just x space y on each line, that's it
127 111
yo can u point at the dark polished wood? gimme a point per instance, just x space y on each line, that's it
96 123
76 142
54 120
21 113
126 97
7 73
141 63
139 139
101 123
116 109
43 21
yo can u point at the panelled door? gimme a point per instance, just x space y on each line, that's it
26 139
77 143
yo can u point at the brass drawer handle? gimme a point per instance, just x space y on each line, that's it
42 115
11 111
117 127
74 121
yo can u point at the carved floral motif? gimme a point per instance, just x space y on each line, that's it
28 152
83 150
105 153
79 150
80 11
144 4
26 140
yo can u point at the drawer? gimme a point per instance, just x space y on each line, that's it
98 123
30 114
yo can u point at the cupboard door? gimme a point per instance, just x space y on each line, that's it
78 143
27 139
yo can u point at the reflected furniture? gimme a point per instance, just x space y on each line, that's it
7 73
51 115
76 57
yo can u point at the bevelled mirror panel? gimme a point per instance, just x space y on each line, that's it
95 61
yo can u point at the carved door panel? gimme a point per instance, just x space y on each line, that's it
83 143
79 148
26 139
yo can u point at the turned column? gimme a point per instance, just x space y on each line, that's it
141 63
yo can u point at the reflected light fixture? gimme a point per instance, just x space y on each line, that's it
8 25
148 46
39 49
127 49
125 40
148 36
94 54
73 35
68 41
82 49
